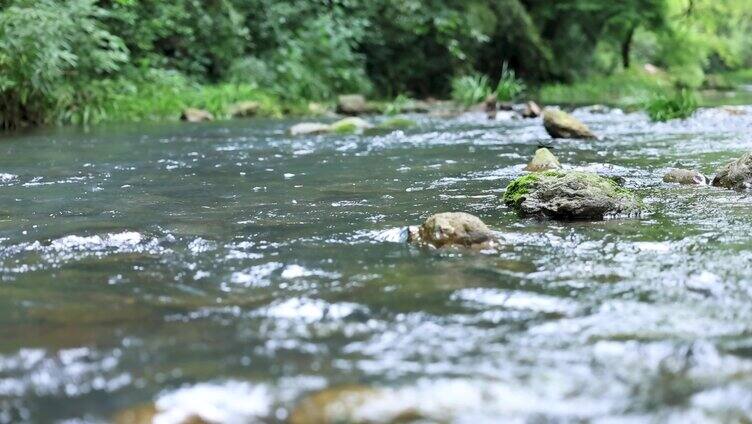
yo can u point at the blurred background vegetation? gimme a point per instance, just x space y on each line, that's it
84 61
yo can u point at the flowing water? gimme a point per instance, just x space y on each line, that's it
227 270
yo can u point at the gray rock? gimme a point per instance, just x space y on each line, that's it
309 128
244 109
686 177
560 124
570 195
543 160
192 114
532 110
353 104
736 174
453 229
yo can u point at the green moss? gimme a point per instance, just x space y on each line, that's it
344 128
518 188
397 123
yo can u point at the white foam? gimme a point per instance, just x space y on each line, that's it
231 402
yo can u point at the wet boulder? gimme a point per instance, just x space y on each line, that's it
453 229
560 124
309 128
352 404
193 114
353 104
570 195
543 160
350 125
244 109
736 174
685 177
531 110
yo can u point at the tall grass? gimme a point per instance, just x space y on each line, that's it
509 86
470 89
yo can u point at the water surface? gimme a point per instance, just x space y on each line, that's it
231 269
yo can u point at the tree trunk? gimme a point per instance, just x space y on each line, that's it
626 47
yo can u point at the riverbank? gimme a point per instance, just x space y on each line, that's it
165 99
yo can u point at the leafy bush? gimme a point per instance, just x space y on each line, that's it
52 56
470 89
680 105
509 86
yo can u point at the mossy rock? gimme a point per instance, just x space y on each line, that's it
396 123
351 125
570 195
560 124
736 175
543 160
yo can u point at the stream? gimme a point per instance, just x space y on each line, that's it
228 270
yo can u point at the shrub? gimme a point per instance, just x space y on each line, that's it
51 54
680 105
470 89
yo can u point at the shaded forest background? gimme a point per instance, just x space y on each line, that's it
84 60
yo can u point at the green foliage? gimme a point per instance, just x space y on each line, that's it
53 57
396 106
509 86
470 89
679 105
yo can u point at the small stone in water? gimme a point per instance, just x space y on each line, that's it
453 229
543 161
686 177
560 124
